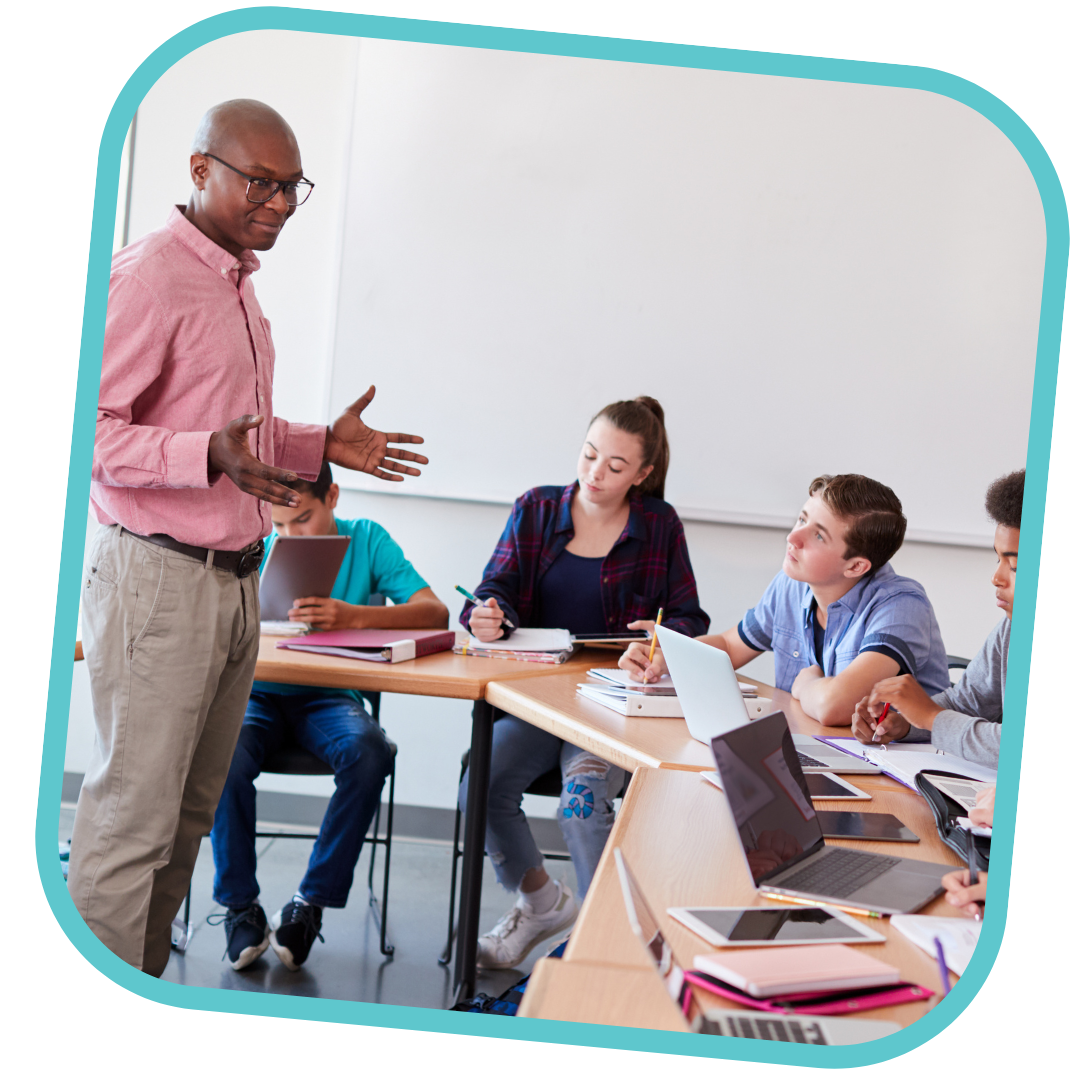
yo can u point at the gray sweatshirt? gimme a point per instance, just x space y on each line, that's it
970 725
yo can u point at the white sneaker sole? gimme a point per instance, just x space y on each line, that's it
250 954
550 932
283 954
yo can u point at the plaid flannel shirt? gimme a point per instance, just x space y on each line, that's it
648 567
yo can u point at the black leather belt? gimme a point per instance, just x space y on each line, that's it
240 563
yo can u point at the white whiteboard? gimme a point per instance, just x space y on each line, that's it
811 277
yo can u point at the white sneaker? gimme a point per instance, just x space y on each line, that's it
519 931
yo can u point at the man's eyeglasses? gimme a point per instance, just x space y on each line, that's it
262 189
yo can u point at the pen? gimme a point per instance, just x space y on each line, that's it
819 903
943 968
881 720
510 627
973 866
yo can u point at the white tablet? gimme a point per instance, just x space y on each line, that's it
790 924
827 785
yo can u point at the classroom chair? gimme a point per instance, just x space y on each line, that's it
956 663
293 760
550 784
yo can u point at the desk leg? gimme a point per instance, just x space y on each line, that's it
473 857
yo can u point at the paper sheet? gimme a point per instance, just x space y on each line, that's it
528 639
958 936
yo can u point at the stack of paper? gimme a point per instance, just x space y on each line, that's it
526 643
614 689
283 627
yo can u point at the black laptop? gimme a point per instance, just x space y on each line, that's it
782 839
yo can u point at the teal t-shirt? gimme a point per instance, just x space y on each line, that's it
374 563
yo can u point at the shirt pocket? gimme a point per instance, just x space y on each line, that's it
790 657
641 607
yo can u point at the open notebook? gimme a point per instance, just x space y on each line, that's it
904 761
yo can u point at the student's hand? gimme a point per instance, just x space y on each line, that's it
229 452
485 621
958 892
867 729
352 444
805 677
636 661
323 613
906 696
983 814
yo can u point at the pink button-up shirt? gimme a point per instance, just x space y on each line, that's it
187 349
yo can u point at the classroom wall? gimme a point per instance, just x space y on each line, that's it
311 79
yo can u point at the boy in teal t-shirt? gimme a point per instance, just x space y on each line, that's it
330 723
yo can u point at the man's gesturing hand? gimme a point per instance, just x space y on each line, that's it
352 444
230 453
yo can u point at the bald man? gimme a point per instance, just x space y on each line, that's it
187 456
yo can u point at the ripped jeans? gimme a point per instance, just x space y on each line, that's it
520 753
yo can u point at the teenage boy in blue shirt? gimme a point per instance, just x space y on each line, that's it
837 617
332 724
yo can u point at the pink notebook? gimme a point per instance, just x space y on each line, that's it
388 646
796 969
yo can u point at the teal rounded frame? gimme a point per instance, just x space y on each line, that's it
78 490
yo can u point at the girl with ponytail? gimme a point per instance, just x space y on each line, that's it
599 556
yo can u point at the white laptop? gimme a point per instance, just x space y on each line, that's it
742 1024
713 704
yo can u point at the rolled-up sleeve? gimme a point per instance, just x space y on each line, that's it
682 609
902 626
136 344
299 447
756 626
502 575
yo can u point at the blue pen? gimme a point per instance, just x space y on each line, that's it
510 627
943 968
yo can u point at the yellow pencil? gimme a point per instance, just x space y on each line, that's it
652 647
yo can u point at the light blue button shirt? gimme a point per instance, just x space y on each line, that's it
884 613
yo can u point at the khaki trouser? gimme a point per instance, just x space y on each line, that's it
171 648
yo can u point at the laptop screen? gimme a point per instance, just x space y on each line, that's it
766 790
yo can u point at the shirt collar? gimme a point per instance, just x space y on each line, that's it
855 598
635 525
217 258
565 520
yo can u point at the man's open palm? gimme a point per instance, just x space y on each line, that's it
353 445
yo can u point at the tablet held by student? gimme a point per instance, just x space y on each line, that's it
599 556
837 617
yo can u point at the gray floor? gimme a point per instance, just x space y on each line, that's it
349 965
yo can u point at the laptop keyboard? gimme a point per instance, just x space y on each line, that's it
841 873
774 1028
806 761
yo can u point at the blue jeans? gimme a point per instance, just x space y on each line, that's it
520 753
336 730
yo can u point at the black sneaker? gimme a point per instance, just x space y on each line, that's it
293 931
246 934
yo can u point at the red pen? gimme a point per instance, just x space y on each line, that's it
881 720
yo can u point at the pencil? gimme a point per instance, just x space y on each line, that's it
652 647
943 968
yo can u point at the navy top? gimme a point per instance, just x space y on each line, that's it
570 595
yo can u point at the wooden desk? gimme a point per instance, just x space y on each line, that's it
627 741
681 845
440 675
